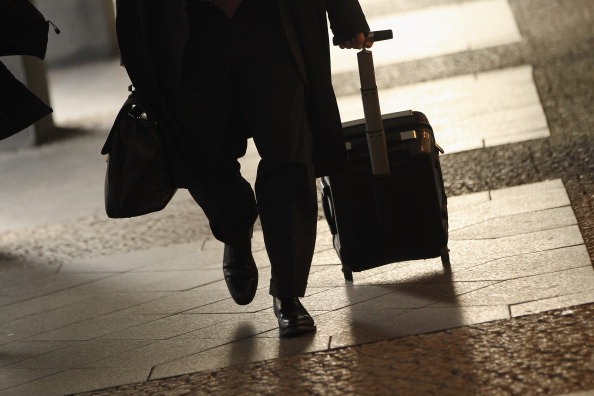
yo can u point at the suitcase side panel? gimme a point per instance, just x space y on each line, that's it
403 217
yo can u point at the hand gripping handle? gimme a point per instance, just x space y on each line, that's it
378 35
376 137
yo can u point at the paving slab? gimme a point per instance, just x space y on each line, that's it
340 297
497 227
52 283
77 380
178 302
420 294
169 327
417 321
38 305
523 265
159 352
14 272
15 352
242 351
332 323
95 327
153 281
493 275
79 354
460 108
237 326
463 253
143 260
528 257
547 304
11 377
30 196
513 356
228 306
41 315
531 288
446 29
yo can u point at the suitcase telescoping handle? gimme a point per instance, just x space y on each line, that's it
374 128
378 35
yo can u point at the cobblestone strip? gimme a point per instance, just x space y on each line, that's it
542 354
98 235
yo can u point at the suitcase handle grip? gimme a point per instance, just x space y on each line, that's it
378 35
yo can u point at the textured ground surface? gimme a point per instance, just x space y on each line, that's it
549 353
545 353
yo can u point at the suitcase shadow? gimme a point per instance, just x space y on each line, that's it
423 304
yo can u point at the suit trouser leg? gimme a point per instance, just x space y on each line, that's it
224 195
266 86
272 97
214 128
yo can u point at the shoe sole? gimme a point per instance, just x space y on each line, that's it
297 331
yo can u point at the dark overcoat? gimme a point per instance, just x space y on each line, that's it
152 37
23 31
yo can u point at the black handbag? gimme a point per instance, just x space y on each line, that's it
138 179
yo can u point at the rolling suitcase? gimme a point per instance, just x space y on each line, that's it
390 204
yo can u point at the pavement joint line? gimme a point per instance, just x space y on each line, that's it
150 374
471 268
477 265
52 292
539 300
514 235
345 87
208 349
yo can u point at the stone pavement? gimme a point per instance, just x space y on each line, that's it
90 303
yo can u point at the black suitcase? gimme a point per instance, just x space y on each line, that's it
390 205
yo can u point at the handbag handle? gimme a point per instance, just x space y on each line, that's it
133 108
136 109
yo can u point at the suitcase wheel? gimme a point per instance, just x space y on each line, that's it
348 274
445 258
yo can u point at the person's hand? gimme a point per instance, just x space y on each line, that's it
357 42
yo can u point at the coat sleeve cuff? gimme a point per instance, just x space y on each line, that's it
346 18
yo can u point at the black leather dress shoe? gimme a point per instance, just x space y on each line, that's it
241 273
293 318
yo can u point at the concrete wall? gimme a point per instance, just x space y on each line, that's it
87 30
87 33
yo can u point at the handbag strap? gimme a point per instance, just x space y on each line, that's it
137 105
132 106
